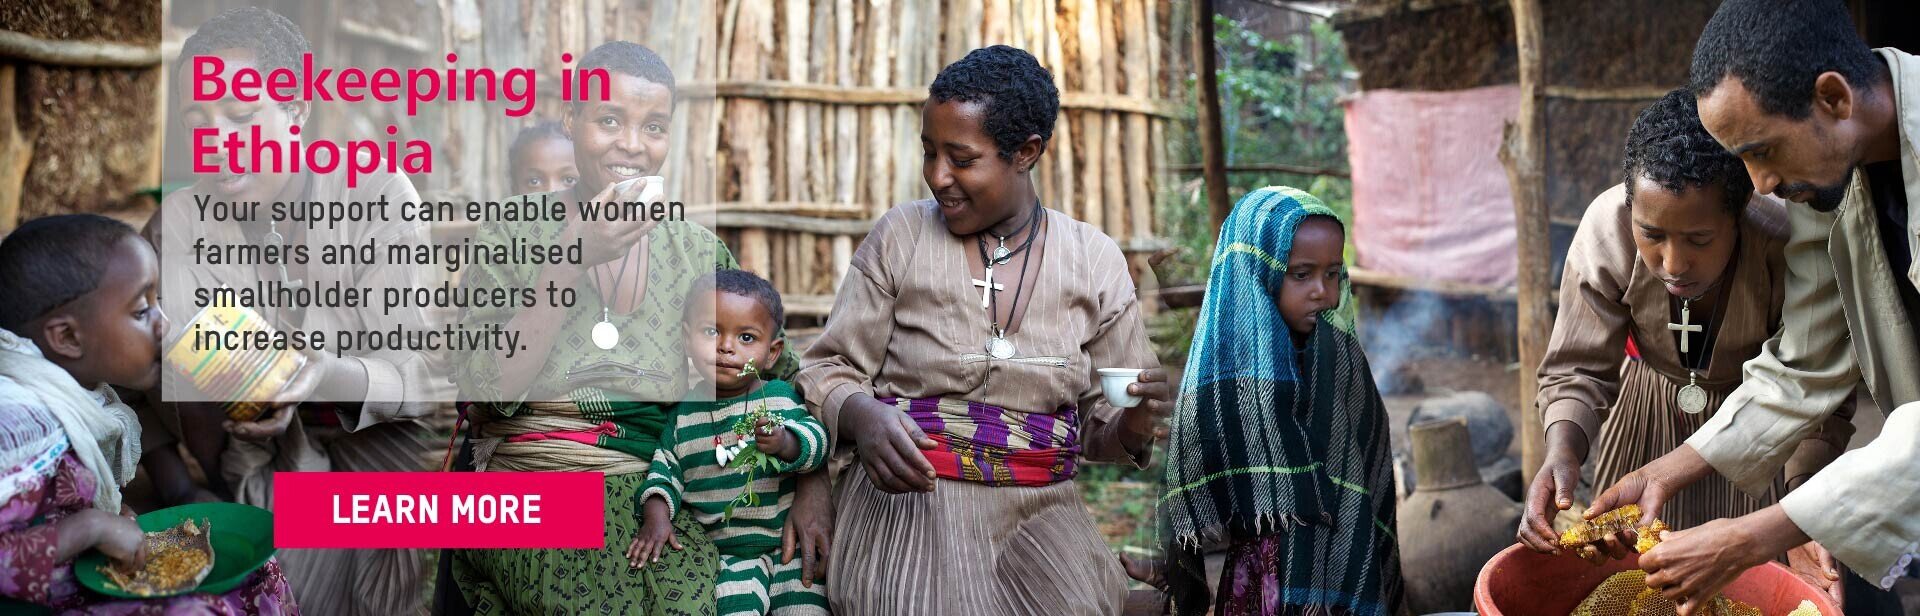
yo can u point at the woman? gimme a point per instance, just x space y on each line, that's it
391 391
1680 266
592 387
1279 446
958 366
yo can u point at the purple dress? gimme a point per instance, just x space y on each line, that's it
36 502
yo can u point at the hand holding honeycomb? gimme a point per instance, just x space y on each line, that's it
1617 521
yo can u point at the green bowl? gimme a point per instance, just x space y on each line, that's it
242 541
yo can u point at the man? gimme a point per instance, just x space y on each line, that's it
1822 120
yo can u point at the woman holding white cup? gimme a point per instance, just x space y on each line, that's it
958 369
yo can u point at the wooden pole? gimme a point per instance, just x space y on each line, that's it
1213 149
85 54
1524 154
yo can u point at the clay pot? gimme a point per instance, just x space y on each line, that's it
1452 523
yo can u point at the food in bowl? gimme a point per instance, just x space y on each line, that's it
178 559
1626 594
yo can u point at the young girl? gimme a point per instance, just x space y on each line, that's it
1279 446
733 329
1678 272
80 319
541 160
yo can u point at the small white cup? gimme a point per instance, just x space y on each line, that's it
656 187
1113 383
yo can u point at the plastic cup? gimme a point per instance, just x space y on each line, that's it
1113 383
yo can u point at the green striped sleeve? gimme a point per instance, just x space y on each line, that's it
812 437
663 478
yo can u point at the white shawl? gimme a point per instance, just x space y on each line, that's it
103 432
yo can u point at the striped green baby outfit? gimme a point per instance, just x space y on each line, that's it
686 473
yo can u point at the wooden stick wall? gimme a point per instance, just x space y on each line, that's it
798 121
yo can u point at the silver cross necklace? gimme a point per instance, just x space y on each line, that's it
1693 398
998 346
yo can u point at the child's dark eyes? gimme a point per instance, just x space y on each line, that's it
748 338
570 180
1331 273
709 331
609 121
534 182
964 163
654 128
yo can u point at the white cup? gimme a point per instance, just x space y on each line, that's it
1113 383
655 188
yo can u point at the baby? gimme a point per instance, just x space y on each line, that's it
733 461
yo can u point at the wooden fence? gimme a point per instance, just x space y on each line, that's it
799 119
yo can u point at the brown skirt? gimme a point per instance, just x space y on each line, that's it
1646 422
968 549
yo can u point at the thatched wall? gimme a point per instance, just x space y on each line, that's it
1434 46
77 131
1621 55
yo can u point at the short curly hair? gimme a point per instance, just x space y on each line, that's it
48 262
1018 93
629 58
744 284
1668 145
274 40
1777 48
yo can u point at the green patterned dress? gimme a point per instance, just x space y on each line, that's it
619 400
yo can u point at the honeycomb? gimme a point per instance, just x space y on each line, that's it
1617 521
1626 594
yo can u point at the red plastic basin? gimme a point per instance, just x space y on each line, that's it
1522 582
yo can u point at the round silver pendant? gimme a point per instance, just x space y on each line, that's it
605 335
1001 253
1693 399
999 348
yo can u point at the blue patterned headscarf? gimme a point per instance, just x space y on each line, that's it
1240 333
1270 438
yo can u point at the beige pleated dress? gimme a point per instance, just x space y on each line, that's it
1629 409
908 324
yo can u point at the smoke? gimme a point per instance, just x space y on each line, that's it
1405 331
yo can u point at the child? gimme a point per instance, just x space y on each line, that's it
732 323
81 318
541 160
1681 240
1279 446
